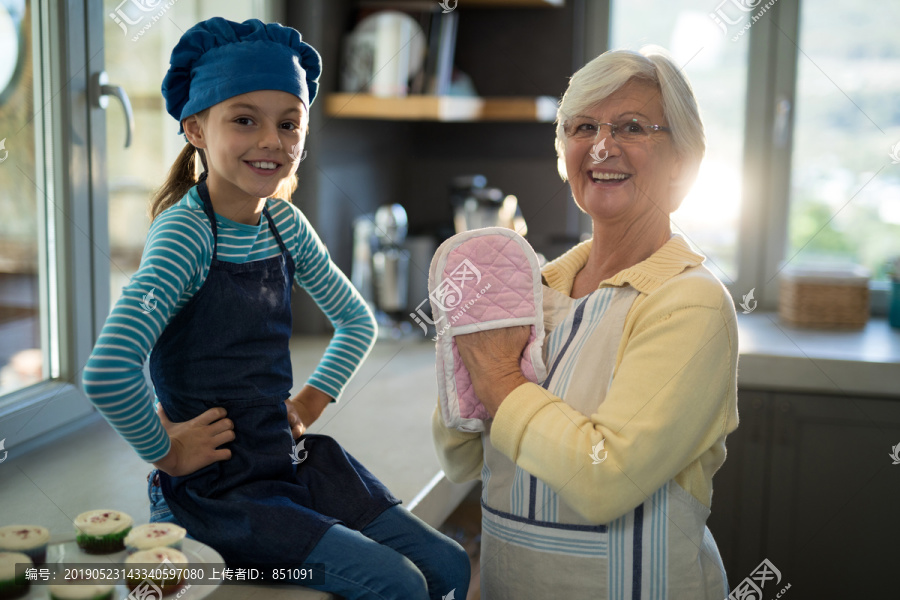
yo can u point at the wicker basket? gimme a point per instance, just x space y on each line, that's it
824 299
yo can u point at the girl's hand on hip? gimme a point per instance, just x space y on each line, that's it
492 359
195 443
304 408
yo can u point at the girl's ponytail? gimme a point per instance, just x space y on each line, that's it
185 173
182 177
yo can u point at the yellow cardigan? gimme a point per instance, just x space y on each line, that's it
672 401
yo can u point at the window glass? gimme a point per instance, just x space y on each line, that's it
716 66
24 355
845 185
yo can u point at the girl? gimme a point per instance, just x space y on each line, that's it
212 300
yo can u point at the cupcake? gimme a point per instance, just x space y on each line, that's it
12 586
81 590
27 539
102 531
168 561
154 535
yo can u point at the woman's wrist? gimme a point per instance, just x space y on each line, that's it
498 388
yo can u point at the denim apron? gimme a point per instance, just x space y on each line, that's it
228 346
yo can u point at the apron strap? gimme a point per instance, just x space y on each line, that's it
288 258
203 192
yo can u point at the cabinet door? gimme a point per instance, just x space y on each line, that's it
833 518
736 521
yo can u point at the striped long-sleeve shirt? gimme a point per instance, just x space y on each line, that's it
174 265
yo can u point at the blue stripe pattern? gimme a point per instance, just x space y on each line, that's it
617 558
545 542
637 541
174 265
563 526
532 496
659 544
576 323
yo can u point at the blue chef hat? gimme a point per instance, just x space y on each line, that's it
218 59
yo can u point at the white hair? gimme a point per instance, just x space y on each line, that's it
611 70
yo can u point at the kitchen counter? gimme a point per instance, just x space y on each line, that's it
384 420
774 356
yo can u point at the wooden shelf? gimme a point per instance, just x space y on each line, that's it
441 108
510 3
472 3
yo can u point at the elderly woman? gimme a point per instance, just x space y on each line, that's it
598 482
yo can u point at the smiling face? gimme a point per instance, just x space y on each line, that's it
636 181
252 143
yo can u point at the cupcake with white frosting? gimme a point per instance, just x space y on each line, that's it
102 531
168 562
155 535
27 539
80 590
11 585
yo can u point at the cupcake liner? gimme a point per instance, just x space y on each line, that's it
102 544
167 589
13 588
38 554
176 545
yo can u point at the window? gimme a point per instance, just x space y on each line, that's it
845 190
717 69
24 345
46 242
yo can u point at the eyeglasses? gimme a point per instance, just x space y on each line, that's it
635 129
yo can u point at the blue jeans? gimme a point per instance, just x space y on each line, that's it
395 557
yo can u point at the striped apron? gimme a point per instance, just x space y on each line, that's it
534 546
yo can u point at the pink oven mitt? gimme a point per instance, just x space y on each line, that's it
479 280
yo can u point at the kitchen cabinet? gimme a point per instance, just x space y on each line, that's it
739 494
809 485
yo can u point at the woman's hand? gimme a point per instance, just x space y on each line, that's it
492 359
195 443
304 408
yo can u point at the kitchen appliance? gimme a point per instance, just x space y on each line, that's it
475 205
421 249
382 53
364 245
380 268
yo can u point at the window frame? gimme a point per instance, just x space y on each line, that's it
765 204
775 48
72 228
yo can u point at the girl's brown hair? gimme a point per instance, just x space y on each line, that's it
185 173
